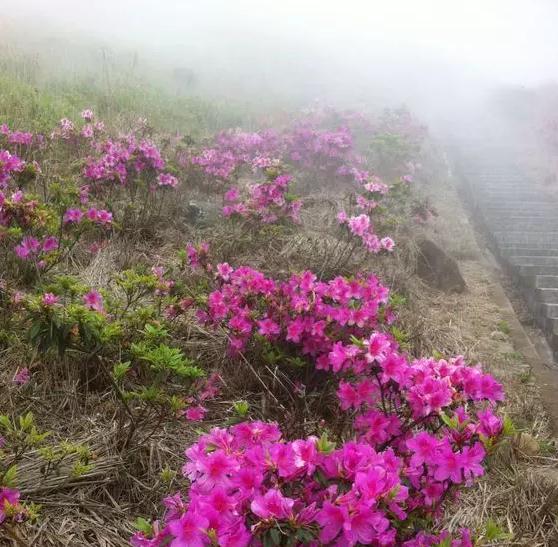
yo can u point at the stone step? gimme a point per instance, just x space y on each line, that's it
525 226
510 195
526 251
525 271
520 204
535 245
517 211
517 215
546 281
548 296
533 260
549 310
515 237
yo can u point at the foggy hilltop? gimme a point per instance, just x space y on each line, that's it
278 273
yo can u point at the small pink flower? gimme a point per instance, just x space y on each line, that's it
166 179
342 217
93 300
224 270
387 243
49 299
87 114
22 376
87 131
50 244
195 413
73 216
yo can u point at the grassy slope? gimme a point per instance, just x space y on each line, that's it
38 107
513 491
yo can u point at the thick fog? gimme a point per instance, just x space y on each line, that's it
424 52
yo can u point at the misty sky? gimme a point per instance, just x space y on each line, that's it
413 51
508 39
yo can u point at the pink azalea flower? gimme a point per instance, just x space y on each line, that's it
424 447
28 246
471 459
195 413
166 179
22 376
331 518
268 328
387 243
224 270
490 425
49 299
87 131
50 244
272 505
449 466
73 216
87 114
8 497
93 300
189 530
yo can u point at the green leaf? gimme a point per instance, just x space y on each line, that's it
324 446
120 369
241 408
144 526
275 536
509 427
9 477
452 423
493 532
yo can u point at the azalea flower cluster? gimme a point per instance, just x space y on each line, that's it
420 428
17 209
205 390
101 217
11 509
122 159
9 164
302 145
267 202
234 148
249 486
371 192
20 140
68 131
319 149
24 213
361 226
303 311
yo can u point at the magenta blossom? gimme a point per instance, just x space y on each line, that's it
195 413
49 299
22 376
272 505
93 300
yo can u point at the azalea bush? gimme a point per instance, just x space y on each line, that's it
373 441
395 146
44 215
121 335
17 438
414 447
416 430
267 202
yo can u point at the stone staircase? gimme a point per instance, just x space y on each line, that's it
520 220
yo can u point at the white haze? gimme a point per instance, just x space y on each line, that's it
425 52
